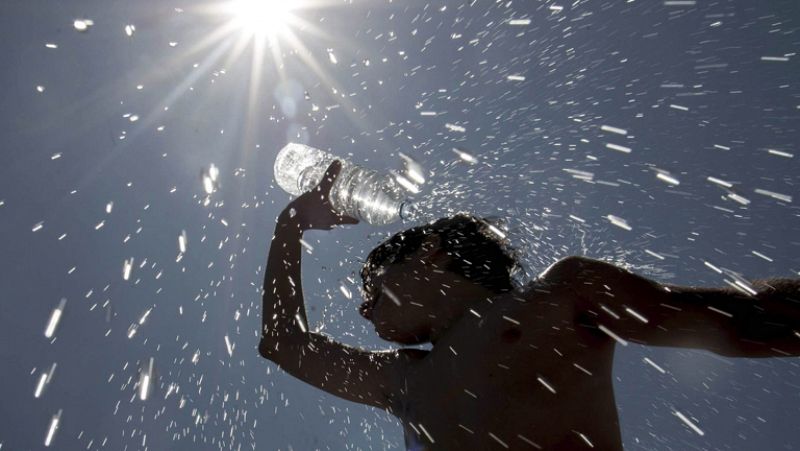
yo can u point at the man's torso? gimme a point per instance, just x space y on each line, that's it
522 371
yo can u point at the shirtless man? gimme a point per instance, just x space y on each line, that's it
509 369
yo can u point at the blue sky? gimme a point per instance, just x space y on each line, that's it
679 118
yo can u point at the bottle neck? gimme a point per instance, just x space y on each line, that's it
409 211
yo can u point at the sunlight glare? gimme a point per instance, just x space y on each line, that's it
261 17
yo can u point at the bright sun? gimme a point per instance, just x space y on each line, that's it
261 17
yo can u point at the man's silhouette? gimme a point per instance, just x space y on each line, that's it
518 369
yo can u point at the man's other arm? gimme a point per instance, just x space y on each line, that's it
759 319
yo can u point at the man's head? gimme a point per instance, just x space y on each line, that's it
419 280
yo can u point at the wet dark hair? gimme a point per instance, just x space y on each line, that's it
479 254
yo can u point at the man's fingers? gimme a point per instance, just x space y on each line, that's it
330 175
344 219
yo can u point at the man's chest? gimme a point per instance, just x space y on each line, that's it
505 371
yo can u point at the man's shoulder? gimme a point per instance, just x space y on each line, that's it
528 307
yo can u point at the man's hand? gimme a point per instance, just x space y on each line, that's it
313 210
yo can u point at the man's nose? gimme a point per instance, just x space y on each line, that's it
365 310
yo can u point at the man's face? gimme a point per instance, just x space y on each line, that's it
418 298
401 302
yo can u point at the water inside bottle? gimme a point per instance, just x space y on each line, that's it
367 195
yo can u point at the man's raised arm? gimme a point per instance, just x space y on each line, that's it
350 373
759 319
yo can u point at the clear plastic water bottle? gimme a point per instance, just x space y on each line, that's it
358 192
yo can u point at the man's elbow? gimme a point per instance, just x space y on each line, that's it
278 348
272 349
264 349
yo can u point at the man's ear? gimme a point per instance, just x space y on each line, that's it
432 252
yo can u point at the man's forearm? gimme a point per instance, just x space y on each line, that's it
762 317
283 309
